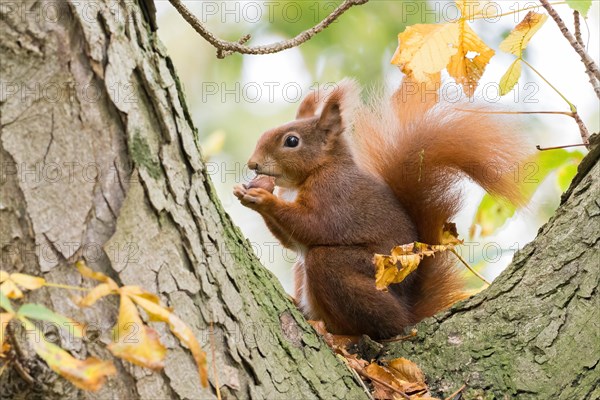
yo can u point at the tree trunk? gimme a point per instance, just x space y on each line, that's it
535 332
100 161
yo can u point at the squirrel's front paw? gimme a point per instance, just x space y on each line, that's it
253 197
257 197
239 191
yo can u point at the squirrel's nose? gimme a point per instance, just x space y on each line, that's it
253 165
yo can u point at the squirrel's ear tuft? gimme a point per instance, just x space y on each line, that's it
310 104
339 106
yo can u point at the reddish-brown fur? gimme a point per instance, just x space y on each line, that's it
392 181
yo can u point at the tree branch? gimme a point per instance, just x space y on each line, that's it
595 82
225 48
585 57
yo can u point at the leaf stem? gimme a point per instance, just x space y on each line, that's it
511 12
61 286
469 267
583 131
571 105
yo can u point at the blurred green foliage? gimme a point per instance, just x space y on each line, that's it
359 44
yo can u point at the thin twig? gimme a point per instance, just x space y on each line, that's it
540 148
583 131
577 24
585 134
477 274
412 334
357 377
455 393
225 48
593 80
567 113
585 57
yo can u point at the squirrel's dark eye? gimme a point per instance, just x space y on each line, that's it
291 141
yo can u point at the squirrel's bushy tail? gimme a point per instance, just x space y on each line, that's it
422 149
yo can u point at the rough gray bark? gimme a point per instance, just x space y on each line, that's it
535 332
100 161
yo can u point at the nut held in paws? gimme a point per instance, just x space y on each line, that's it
262 181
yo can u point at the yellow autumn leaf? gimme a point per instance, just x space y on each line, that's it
470 8
134 341
387 271
103 289
450 234
469 62
10 290
4 349
511 77
4 320
9 284
425 49
27 281
411 249
88 374
519 38
179 329
137 291
87 272
405 259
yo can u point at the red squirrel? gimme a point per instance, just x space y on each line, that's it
356 179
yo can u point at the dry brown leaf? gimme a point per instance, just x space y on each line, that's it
406 370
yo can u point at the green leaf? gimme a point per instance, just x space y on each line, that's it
88 374
565 175
583 6
492 214
5 303
42 313
511 77
534 173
